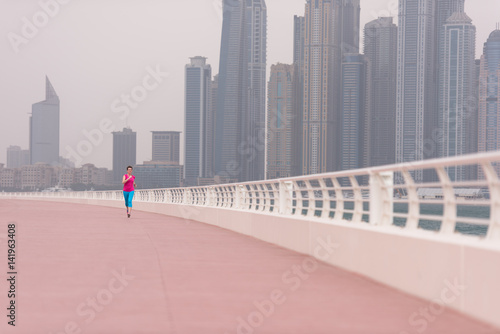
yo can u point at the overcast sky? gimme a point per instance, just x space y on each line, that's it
94 51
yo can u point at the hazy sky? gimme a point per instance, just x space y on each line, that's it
95 51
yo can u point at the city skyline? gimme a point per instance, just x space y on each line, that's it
89 89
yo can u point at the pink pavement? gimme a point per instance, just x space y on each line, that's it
90 269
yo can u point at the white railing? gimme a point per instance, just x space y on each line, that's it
381 196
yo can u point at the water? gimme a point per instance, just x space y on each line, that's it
426 209
437 209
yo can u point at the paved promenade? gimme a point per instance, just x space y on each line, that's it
88 269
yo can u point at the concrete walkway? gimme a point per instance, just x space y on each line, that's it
88 269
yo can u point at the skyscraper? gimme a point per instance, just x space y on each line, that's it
381 38
349 26
416 107
489 95
197 104
444 9
331 32
298 41
254 121
44 128
456 88
321 85
355 112
240 117
472 124
298 92
210 128
281 117
166 146
124 152
232 92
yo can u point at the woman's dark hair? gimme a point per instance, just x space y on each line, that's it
130 167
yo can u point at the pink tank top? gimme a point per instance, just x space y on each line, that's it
129 185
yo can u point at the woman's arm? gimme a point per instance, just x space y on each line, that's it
125 180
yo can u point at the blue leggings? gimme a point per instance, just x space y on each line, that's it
128 195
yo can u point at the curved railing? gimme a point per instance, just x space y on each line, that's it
382 196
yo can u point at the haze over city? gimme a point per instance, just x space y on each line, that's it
93 52
250 166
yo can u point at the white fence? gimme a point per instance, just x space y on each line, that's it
383 196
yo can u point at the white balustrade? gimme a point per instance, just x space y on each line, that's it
381 196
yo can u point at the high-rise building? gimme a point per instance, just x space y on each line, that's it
355 112
346 32
44 128
456 89
489 95
254 120
331 32
380 46
240 117
166 146
124 152
232 92
17 157
298 41
321 85
197 105
444 9
298 92
416 107
281 117
210 129
350 24
472 124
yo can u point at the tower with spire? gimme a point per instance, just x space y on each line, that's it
44 128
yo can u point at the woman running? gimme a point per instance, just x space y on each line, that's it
128 189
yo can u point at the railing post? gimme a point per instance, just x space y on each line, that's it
358 200
210 194
381 198
449 222
413 201
494 187
185 197
237 196
285 188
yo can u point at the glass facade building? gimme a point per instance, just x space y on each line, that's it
355 112
321 75
196 122
416 100
240 116
489 95
44 128
124 152
254 121
457 77
281 117
380 38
